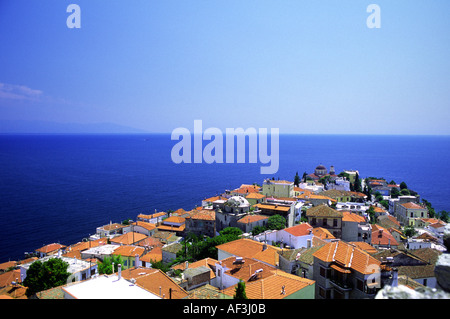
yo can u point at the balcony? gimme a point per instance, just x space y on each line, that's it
342 284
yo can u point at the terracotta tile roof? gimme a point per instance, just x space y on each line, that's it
50 248
246 190
151 242
351 217
323 211
322 233
300 230
204 214
148 226
8 277
153 255
382 237
114 226
7 265
129 251
364 246
437 225
411 205
174 219
179 212
13 292
347 256
252 249
86 245
207 262
172 228
128 238
268 284
273 207
252 218
154 280
310 196
150 216
213 199
255 196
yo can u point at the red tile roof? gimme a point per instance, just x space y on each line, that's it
300 230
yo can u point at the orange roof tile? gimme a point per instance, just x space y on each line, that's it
174 219
383 237
148 226
129 251
255 196
128 238
351 217
252 218
300 230
155 280
273 207
347 256
50 248
270 283
153 255
411 205
204 214
252 249
322 233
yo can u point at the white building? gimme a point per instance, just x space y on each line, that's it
298 236
99 252
79 269
107 287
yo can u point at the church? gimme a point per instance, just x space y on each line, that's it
321 171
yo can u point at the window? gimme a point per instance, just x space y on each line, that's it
313 221
324 272
324 222
335 222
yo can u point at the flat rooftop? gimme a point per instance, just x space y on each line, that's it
107 287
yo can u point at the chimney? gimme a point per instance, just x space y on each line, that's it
120 271
136 261
186 265
264 246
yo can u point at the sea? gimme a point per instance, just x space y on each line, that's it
60 188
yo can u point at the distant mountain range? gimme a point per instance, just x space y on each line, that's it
46 127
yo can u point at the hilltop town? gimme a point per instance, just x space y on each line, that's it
320 236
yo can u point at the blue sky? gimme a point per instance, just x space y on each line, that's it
308 67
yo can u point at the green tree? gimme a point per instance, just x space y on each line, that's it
276 222
430 208
105 267
403 185
258 230
296 180
395 192
371 213
444 216
45 275
240 291
234 232
405 192
409 231
357 184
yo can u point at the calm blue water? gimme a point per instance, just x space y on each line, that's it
60 188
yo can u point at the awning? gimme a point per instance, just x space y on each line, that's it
340 269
